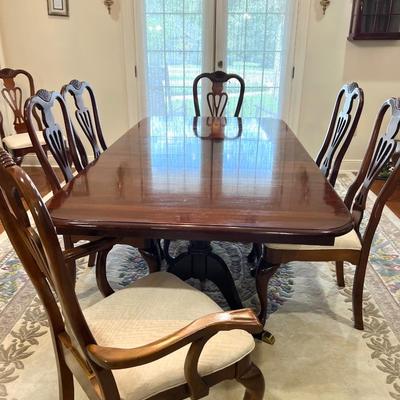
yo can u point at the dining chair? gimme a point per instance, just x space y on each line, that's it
68 151
88 120
343 124
13 90
354 247
159 338
217 99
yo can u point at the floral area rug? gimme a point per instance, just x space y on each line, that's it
317 354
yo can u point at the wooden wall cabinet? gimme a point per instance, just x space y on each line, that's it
375 20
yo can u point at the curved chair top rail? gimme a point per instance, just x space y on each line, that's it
341 130
13 95
382 149
64 151
93 132
217 99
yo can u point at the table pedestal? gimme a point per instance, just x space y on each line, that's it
201 263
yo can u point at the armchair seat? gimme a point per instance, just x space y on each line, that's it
349 241
21 141
346 248
152 308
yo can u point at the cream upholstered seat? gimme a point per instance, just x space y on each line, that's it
21 141
149 309
349 241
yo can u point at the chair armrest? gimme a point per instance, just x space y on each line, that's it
200 329
88 248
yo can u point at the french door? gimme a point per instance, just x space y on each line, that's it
179 39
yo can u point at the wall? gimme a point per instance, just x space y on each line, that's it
88 45
92 45
330 61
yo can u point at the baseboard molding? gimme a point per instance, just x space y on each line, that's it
351 165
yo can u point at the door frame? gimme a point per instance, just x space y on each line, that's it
132 27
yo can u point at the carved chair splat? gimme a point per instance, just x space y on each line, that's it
74 334
355 246
217 99
342 126
85 118
70 152
13 95
341 130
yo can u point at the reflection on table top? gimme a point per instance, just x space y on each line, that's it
229 178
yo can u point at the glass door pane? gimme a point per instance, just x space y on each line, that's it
173 35
254 44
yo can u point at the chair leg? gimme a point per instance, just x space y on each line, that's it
255 253
92 260
358 290
69 244
340 274
253 380
65 376
264 273
101 273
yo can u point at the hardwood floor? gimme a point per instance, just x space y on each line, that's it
40 181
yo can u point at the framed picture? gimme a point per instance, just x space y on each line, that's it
58 7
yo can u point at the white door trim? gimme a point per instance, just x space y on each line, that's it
132 25
131 56
299 50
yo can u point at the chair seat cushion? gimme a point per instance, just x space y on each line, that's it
349 241
149 309
21 140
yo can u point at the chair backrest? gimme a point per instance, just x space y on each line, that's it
85 118
40 253
341 130
217 99
382 148
13 95
61 140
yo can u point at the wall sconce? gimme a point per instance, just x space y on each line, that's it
324 5
108 4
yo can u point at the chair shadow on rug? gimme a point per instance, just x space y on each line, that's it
172 357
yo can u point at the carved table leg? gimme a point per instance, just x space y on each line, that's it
201 263
264 273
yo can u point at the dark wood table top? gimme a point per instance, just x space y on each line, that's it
227 179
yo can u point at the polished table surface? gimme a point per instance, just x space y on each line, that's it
204 179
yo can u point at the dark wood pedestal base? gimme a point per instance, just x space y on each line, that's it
201 263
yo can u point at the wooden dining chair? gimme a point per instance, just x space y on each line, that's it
217 99
345 117
88 120
157 339
68 151
343 124
355 246
14 95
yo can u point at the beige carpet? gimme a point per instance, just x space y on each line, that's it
317 354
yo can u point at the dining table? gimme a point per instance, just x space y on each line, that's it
204 179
